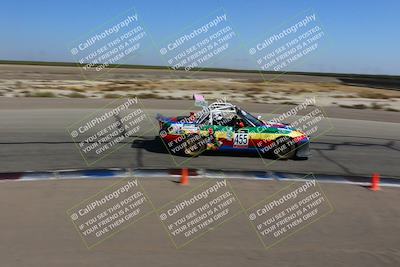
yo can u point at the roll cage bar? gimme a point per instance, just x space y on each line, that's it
224 107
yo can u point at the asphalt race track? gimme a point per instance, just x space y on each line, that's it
33 137
360 229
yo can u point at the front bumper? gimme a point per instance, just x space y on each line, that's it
303 150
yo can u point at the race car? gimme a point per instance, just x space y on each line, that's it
222 126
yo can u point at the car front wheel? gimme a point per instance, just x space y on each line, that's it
284 148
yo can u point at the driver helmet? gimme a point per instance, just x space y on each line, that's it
217 116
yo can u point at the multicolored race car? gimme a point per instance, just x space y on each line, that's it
222 126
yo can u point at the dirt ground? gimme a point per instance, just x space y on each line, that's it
44 81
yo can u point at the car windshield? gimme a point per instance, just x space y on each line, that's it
253 120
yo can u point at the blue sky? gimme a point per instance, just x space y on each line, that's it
361 36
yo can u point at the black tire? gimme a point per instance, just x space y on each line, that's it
191 145
284 148
162 133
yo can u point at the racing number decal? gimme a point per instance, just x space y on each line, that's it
241 139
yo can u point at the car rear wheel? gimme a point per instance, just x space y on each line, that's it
195 145
284 148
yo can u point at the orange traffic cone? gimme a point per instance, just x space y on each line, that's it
185 176
375 182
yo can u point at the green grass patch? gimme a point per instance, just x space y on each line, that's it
112 96
76 95
41 94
